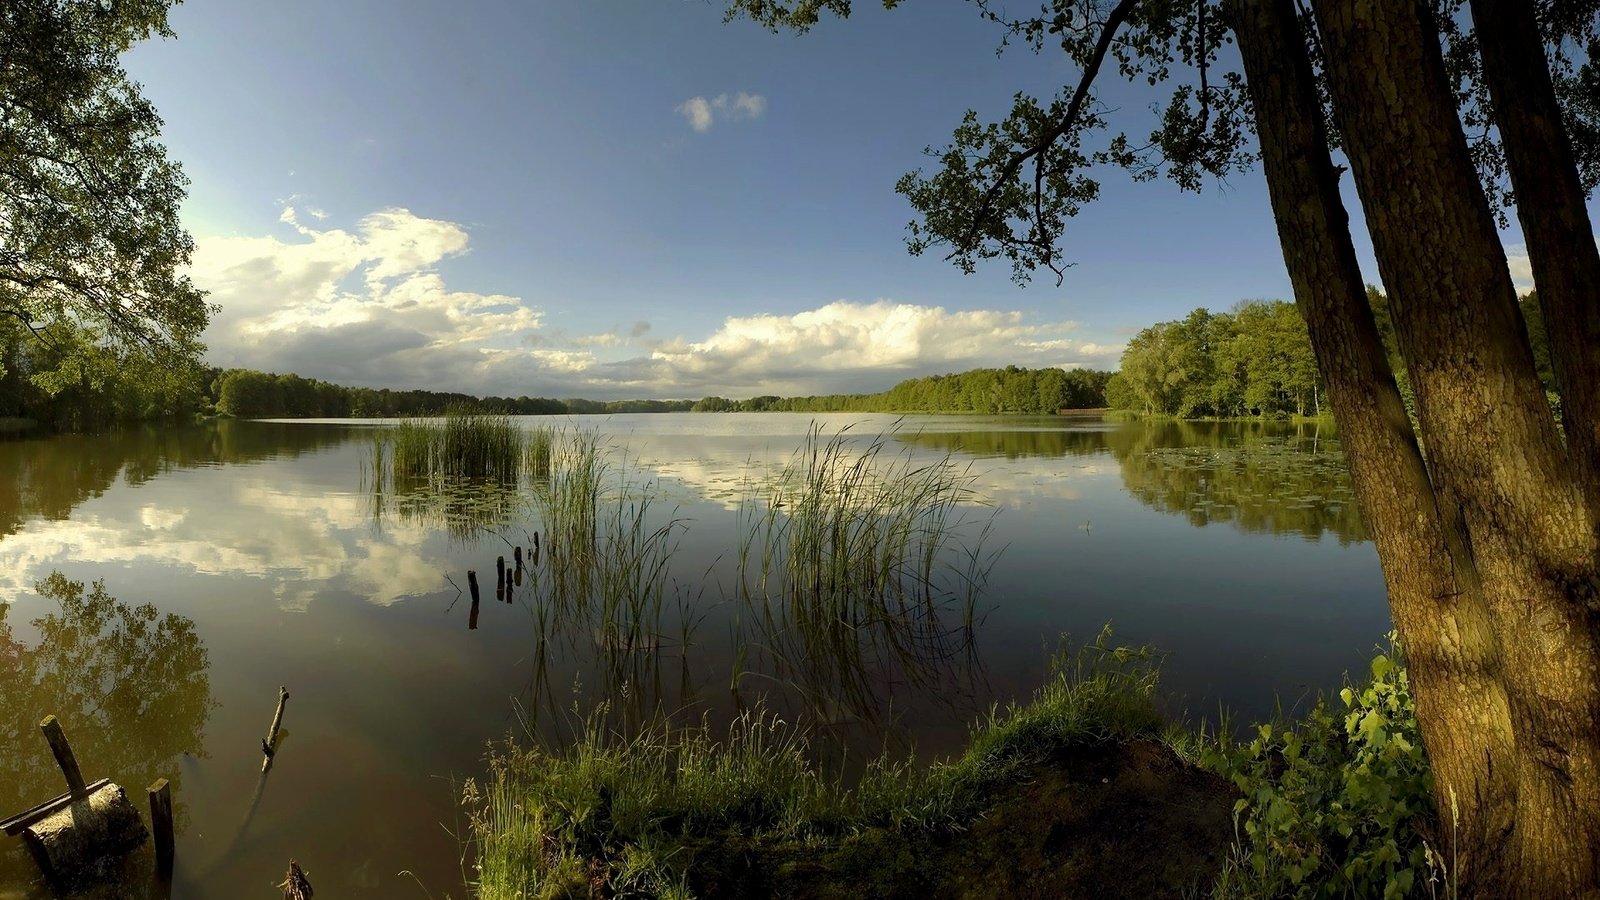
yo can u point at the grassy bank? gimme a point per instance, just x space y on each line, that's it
1085 790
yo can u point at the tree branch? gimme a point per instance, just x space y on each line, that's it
1119 14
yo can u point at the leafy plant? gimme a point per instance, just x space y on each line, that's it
1338 804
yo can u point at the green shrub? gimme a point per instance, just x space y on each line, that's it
1337 804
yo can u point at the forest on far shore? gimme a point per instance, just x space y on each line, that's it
1253 361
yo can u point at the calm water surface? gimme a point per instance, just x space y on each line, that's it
243 556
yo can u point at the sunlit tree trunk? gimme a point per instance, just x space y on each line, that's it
1554 217
1433 595
1499 470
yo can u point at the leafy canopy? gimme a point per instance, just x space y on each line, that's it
1006 189
89 229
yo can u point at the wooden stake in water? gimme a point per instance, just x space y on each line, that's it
269 747
161 824
64 758
472 584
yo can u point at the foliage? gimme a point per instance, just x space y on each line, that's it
1256 360
634 812
1011 390
90 238
1337 804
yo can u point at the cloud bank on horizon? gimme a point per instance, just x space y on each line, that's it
368 307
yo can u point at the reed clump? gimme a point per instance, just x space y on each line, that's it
462 444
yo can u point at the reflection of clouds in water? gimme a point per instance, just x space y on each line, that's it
1002 483
214 524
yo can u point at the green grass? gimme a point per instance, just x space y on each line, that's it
633 810
462 445
460 473
1337 804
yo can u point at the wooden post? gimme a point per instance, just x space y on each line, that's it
516 554
161 824
64 758
472 583
472 620
270 746
500 571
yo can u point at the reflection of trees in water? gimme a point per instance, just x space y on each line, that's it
1258 476
48 477
128 684
1013 444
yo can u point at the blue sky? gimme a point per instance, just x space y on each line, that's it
618 198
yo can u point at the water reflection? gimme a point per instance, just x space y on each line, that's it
129 684
50 476
1259 477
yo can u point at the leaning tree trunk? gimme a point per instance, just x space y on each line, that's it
1498 467
1554 217
1433 592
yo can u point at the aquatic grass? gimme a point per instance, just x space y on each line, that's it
861 567
606 577
634 811
461 444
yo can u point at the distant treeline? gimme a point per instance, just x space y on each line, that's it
63 378
1253 361
990 391
246 393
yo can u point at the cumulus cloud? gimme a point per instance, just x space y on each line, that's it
846 346
368 306
362 306
702 113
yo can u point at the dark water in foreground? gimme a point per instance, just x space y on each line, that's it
265 560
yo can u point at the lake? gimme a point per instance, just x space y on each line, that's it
241 556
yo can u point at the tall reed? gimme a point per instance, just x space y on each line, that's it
859 564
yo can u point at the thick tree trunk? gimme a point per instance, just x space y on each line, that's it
1453 656
1554 217
1499 469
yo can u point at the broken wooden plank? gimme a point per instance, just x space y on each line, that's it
13 826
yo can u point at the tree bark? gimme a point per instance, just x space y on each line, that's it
1500 473
1554 217
1454 660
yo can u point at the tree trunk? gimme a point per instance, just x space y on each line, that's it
1554 217
1454 660
1498 467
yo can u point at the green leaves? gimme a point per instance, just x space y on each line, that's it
89 228
1332 804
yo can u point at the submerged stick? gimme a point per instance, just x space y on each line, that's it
295 884
269 746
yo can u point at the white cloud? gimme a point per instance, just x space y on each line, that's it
701 113
367 306
698 112
845 346
363 306
1522 266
